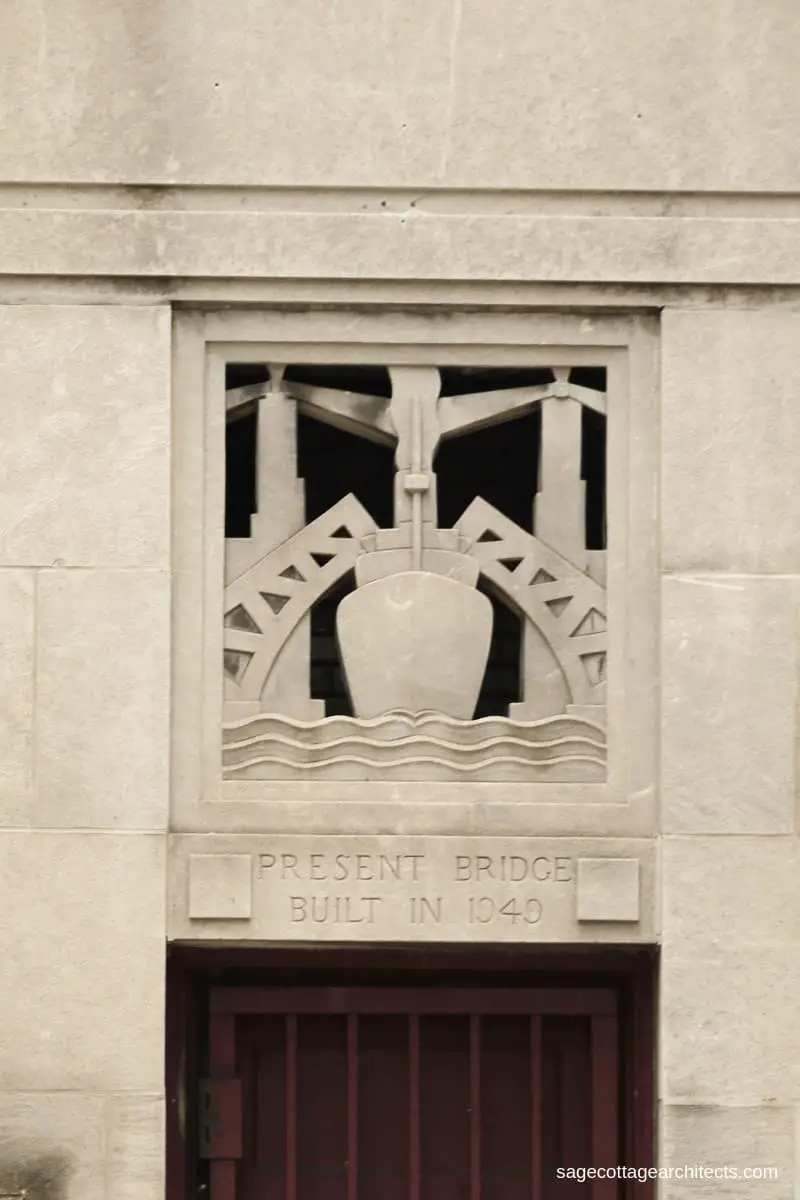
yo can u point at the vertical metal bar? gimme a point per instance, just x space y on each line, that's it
352 1107
291 1107
475 1107
605 1141
414 1165
222 1061
536 1108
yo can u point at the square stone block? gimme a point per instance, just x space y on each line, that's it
136 1150
730 432
729 687
729 1028
730 893
730 1142
16 694
103 680
82 943
52 1145
608 889
220 887
84 456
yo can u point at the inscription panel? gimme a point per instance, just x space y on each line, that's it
395 889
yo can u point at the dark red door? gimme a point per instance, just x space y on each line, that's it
374 1093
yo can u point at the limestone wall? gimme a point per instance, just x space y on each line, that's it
160 161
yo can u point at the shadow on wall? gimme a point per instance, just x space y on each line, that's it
29 1177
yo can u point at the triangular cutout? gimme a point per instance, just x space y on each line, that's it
292 572
275 601
235 663
489 535
595 667
341 532
239 618
542 576
510 563
322 559
593 622
558 605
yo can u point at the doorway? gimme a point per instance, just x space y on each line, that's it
448 1079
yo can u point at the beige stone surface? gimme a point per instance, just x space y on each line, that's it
82 945
740 1139
84 457
400 889
53 1145
16 693
414 641
136 1147
729 692
417 92
102 681
220 886
728 1026
720 892
608 889
730 431
725 248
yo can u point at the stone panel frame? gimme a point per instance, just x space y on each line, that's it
627 346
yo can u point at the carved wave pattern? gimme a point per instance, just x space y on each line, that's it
405 746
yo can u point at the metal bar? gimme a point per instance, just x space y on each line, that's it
222 1061
566 1002
222 1047
352 1107
291 1107
605 1141
223 1180
414 1161
536 1108
475 1107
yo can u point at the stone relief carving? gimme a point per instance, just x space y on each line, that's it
414 633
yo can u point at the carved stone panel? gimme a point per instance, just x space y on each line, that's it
300 888
415 576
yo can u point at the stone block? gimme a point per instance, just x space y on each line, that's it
52 1145
730 1142
414 92
301 888
608 889
729 1029
84 457
16 694
220 886
729 689
730 892
443 246
82 943
730 427
136 1149
102 721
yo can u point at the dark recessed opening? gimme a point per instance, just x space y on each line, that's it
334 463
327 675
499 463
501 683
593 471
240 475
